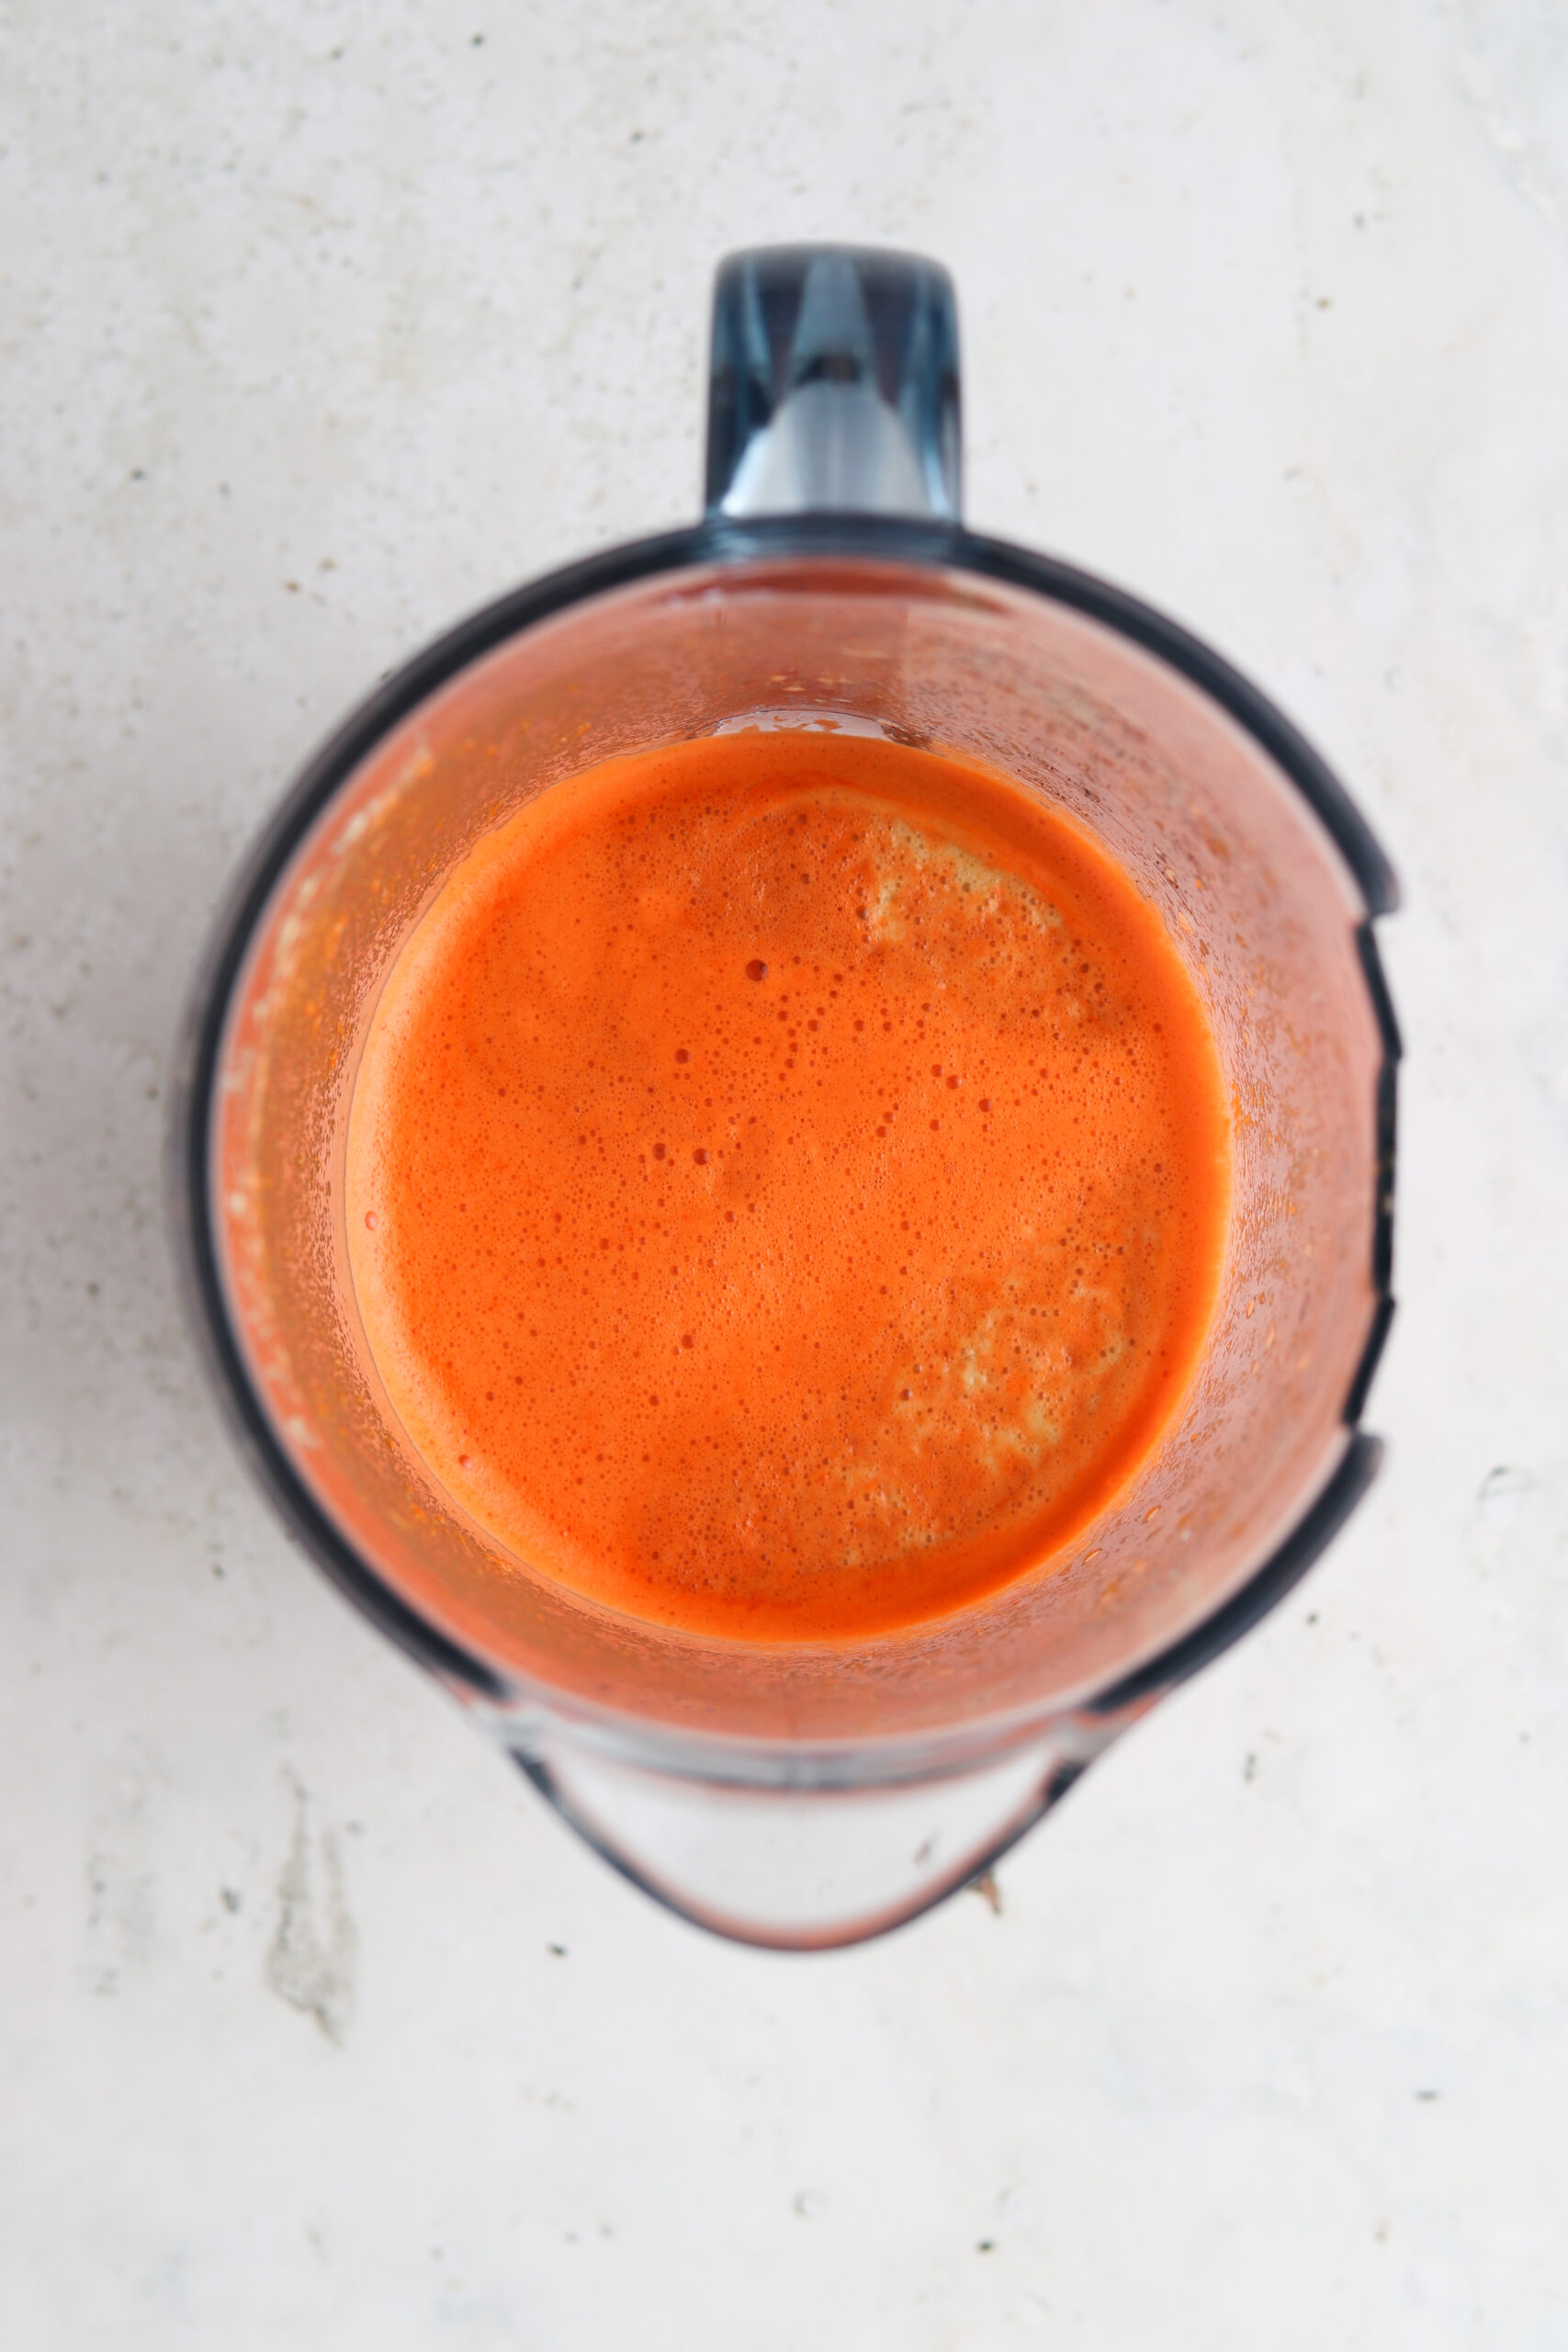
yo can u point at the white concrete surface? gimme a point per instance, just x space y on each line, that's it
327 319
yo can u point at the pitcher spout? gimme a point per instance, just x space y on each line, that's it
805 1868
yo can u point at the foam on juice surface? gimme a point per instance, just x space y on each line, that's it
787 1185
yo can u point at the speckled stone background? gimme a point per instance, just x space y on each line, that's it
323 321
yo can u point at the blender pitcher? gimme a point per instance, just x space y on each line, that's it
795 1794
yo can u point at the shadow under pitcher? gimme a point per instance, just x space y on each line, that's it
807 1792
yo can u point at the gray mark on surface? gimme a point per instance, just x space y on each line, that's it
1511 55
120 1921
315 1947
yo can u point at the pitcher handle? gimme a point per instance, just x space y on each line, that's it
833 385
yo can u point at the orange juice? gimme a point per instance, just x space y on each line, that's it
788 1177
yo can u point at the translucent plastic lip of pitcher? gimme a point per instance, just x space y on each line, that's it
930 634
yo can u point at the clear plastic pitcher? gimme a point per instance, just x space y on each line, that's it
798 1795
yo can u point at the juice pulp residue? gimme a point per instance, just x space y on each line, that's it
787 1185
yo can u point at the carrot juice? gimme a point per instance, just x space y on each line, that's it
787 1185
